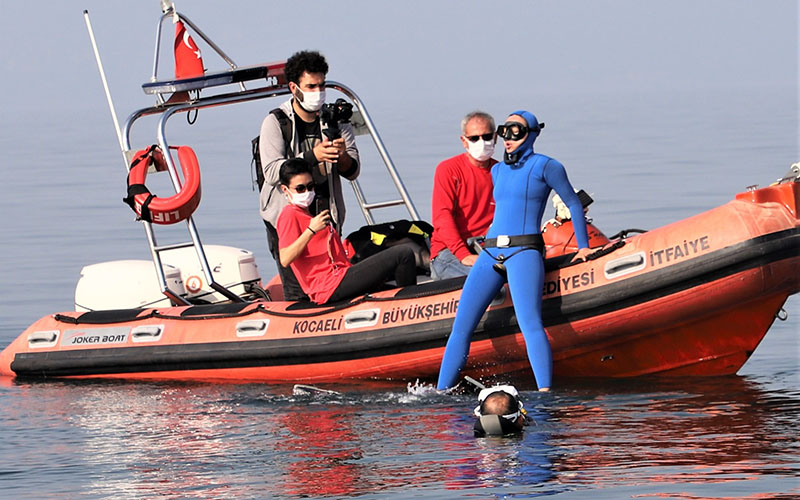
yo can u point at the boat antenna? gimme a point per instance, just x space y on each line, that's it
105 83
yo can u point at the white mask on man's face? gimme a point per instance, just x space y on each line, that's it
303 199
311 101
481 150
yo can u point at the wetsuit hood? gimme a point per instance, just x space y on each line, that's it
526 148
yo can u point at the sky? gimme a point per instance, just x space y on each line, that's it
412 62
413 50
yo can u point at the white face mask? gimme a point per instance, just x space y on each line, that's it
312 101
301 199
481 150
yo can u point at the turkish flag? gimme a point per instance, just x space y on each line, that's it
188 61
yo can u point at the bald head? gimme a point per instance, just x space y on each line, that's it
499 403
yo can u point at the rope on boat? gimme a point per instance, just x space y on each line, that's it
241 310
605 250
126 315
92 317
624 233
408 293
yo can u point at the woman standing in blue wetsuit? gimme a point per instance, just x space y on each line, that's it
522 184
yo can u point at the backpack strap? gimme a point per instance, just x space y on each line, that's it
286 132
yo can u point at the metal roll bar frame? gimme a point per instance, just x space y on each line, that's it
167 109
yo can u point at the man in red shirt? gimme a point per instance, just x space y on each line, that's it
463 206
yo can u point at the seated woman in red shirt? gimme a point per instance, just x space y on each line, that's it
314 249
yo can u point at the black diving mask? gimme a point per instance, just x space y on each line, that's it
514 131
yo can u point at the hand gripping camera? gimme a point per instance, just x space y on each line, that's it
333 114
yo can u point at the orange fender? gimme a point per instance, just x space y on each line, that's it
559 239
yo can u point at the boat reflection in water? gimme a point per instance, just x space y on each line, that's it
323 450
715 430
148 440
158 440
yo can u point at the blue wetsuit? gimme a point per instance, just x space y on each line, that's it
521 190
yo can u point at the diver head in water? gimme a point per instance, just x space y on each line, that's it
500 412
519 133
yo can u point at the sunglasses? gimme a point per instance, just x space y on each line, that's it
514 131
485 137
302 188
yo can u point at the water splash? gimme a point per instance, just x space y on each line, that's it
422 389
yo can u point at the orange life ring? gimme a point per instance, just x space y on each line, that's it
163 210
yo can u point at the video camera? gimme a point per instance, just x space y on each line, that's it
333 114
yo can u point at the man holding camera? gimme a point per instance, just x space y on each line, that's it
295 130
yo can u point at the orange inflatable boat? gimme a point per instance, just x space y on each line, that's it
691 298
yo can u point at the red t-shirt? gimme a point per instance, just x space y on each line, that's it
463 205
321 266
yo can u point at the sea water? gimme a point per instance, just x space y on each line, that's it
649 156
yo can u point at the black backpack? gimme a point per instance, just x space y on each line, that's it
369 240
286 132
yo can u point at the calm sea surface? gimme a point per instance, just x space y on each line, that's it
648 158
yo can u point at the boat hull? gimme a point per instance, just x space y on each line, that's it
693 298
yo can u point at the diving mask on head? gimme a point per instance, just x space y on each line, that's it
514 131
524 133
